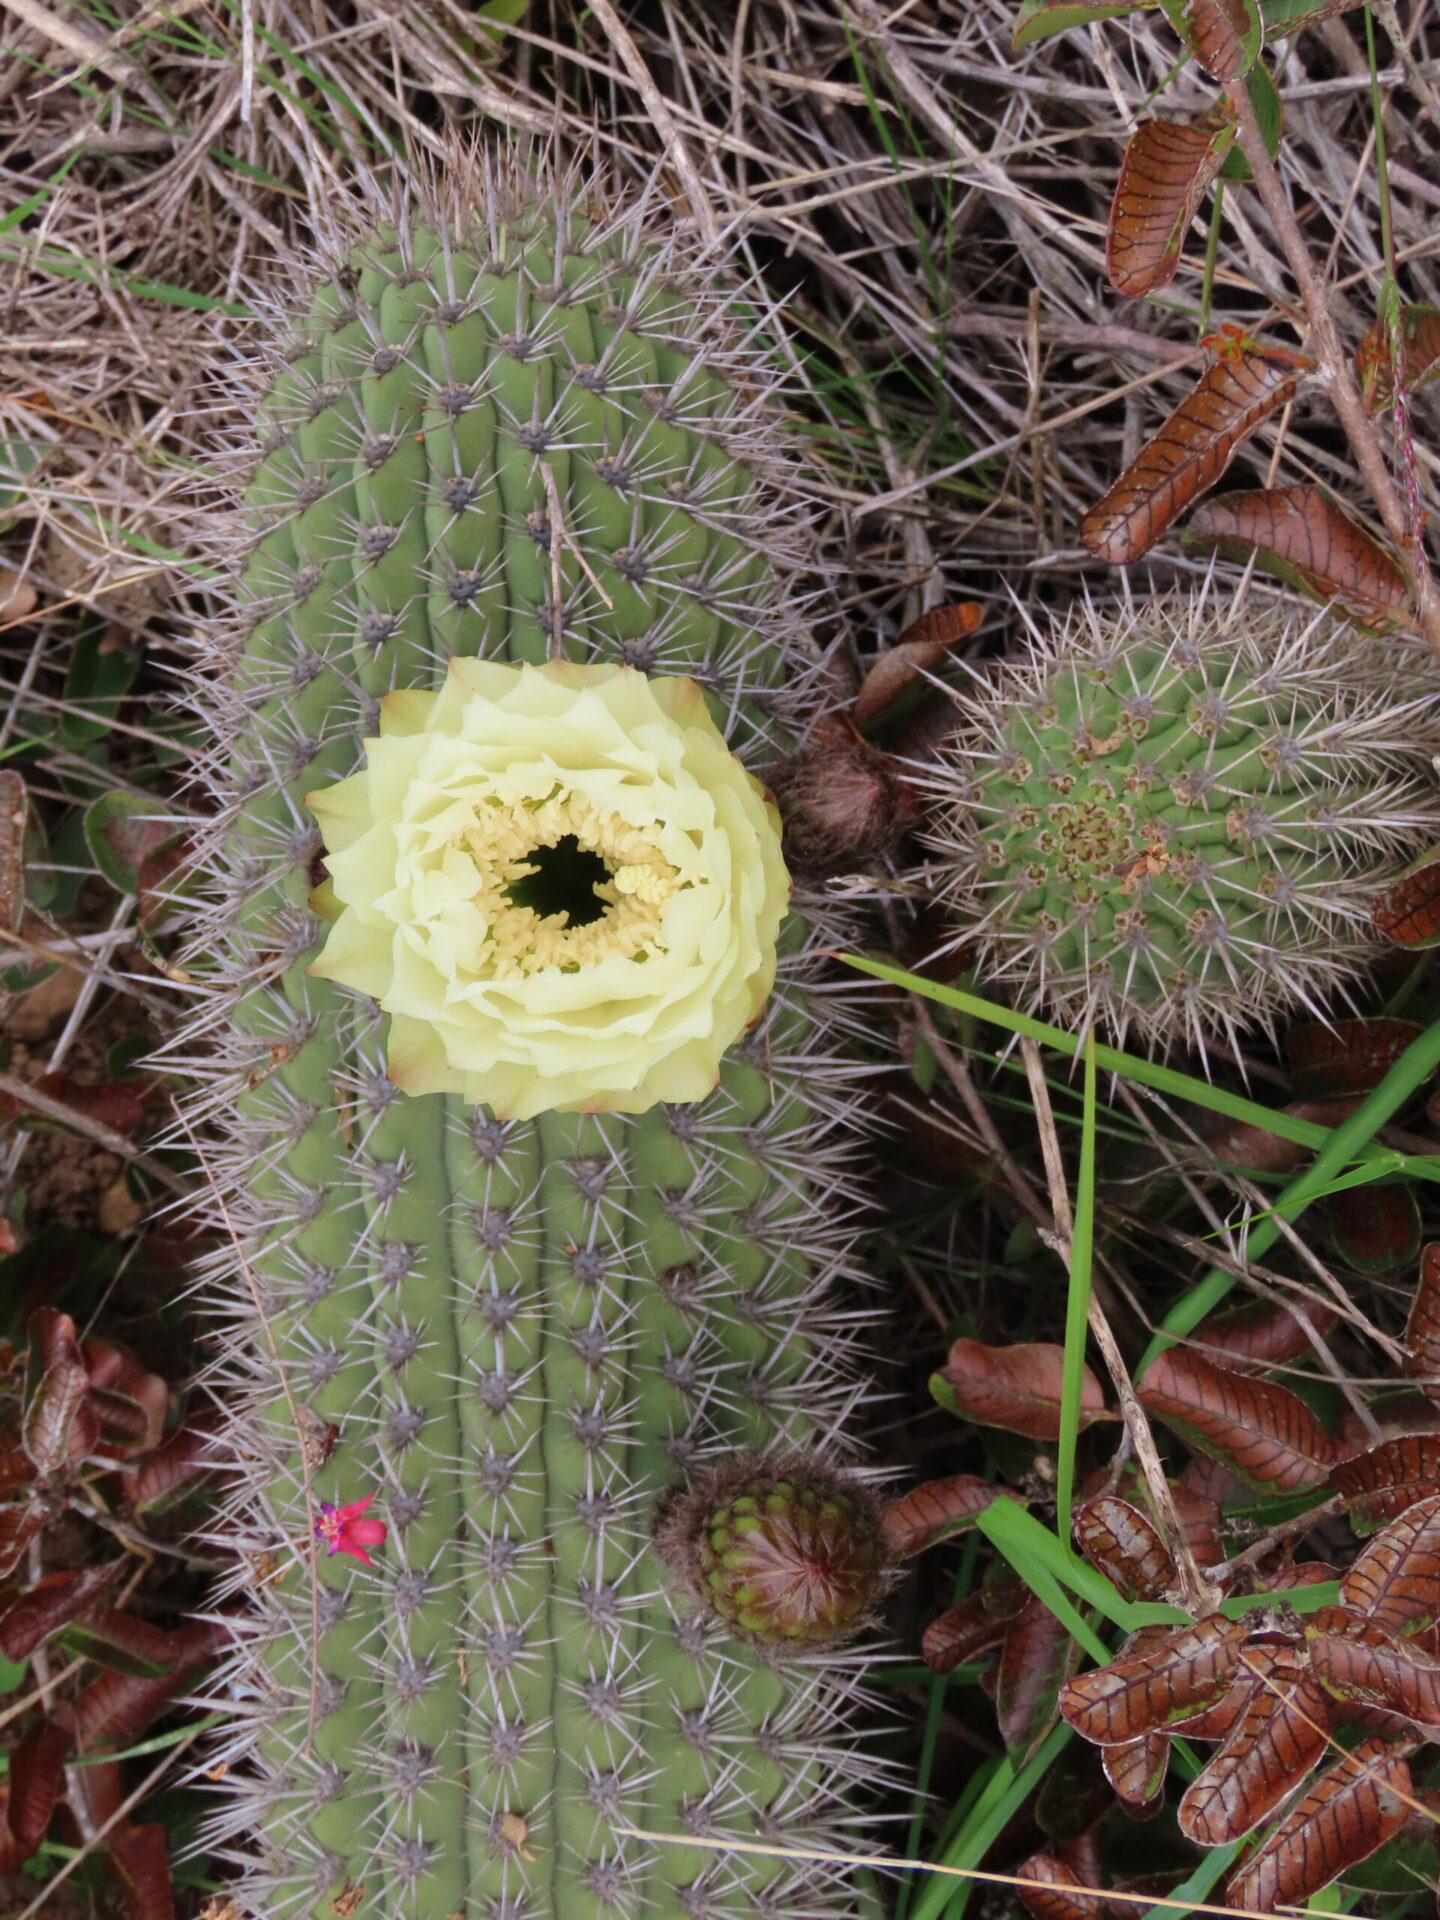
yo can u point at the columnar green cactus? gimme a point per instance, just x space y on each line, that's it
1171 820
515 426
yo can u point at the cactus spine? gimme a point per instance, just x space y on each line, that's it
512 425
1172 819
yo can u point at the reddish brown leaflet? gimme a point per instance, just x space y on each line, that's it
936 1510
37 1779
1125 1545
922 645
141 1857
1300 534
1395 1580
1158 1687
1352 1808
1375 1228
963 1632
1407 912
1223 35
1050 1891
1422 1329
1366 1665
1017 1388
1274 1744
1166 172
1351 1056
1036 1660
1420 355
1136 1770
1261 1431
1189 453
1382 1483
1262 1334
53 1600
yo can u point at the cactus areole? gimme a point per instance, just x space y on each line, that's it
1172 819
518 467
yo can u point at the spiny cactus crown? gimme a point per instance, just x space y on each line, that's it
1171 819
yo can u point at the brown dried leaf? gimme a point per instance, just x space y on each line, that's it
1017 1388
1422 1329
1274 1744
1156 1688
1166 172
1262 1334
936 1510
1385 1481
963 1632
37 1779
1407 912
1225 36
1301 535
1050 1891
1395 1579
919 649
1035 1662
1125 1545
1263 1432
1188 454
1352 1808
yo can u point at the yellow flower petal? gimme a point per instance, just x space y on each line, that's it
559 883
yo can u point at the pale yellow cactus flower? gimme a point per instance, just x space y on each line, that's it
560 884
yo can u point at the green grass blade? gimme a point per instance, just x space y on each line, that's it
1077 1306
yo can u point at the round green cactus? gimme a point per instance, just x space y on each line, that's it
1171 820
520 426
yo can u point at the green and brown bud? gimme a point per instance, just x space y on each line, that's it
786 1550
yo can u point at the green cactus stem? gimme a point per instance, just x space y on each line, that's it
514 423
1171 819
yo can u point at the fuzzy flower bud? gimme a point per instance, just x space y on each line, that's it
787 1551
844 808
559 883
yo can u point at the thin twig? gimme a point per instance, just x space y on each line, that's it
93 1129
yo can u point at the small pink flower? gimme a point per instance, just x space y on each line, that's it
343 1530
